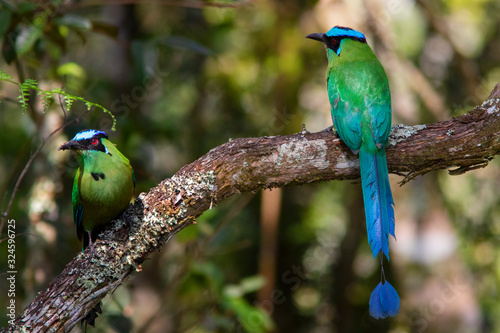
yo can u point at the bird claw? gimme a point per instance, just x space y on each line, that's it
128 219
329 129
91 246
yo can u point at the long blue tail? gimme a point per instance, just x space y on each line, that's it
379 211
377 197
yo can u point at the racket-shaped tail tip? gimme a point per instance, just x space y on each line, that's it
384 301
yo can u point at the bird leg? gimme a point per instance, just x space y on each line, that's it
91 245
330 129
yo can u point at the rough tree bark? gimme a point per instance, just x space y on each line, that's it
241 165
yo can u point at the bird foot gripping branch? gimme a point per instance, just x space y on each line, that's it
360 102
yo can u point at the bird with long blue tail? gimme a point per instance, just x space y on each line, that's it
360 103
102 189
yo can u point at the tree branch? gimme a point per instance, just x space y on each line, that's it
241 165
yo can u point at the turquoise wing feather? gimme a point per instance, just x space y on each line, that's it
346 118
77 208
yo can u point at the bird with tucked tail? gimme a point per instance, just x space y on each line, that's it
360 103
102 189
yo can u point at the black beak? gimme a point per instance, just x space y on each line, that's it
318 37
72 144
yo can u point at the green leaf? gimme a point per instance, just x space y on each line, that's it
71 69
24 89
252 283
30 83
4 76
246 285
251 318
75 22
27 38
69 102
46 99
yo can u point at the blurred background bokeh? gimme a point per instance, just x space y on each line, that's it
184 76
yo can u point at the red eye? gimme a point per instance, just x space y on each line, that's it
95 142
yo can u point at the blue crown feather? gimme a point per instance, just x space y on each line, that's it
87 134
339 31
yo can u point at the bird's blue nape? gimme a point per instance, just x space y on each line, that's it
339 31
384 301
87 134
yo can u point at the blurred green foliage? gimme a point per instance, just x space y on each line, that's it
183 77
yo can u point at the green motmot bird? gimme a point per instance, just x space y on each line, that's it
102 189
103 186
360 103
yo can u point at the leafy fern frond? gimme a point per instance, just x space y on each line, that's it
48 96
4 76
47 99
